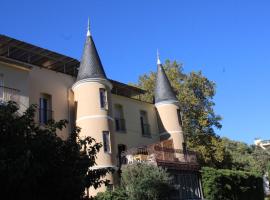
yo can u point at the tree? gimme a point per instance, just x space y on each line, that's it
247 157
36 164
195 94
262 158
148 182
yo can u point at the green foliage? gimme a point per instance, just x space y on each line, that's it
117 194
36 164
148 182
231 185
195 94
140 181
247 158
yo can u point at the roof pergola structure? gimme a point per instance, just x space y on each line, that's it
26 55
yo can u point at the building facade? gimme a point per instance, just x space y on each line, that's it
264 144
130 130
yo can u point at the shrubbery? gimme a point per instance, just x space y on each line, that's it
140 181
231 185
117 194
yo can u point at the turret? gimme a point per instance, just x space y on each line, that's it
92 93
168 110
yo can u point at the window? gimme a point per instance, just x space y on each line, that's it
179 115
45 112
144 123
119 118
121 159
103 98
1 87
106 142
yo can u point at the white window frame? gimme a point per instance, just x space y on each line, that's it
106 141
103 98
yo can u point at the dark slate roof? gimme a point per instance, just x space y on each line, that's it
90 66
163 90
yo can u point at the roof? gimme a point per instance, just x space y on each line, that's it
163 90
90 66
123 89
26 55
16 50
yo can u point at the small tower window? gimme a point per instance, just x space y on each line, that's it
103 98
106 142
179 115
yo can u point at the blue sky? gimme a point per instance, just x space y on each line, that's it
228 40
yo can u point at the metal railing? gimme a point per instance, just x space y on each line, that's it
9 94
120 124
45 115
158 153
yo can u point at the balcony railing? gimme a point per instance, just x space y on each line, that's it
45 115
158 153
9 94
146 130
120 124
265 142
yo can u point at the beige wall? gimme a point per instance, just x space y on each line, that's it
92 119
55 84
169 118
131 110
33 82
16 78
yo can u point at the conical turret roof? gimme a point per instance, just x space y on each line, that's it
163 89
90 66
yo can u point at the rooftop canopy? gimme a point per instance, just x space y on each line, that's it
16 50
27 55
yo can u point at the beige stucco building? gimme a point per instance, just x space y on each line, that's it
130 130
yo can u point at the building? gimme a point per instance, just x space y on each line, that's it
130 130
264 144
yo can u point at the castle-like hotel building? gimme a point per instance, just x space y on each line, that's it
130 130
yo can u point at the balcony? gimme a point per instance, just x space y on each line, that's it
159 154
120 125
9 94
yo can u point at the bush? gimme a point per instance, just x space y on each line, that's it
117 194
231 185
140 181
147 182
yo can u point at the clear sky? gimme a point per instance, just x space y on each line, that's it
229 40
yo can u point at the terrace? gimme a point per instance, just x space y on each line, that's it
161 155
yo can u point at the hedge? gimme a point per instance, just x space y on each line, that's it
231 185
